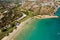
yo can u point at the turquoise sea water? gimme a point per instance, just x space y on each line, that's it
41 29
44 29
58 12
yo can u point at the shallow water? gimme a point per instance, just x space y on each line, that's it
41 29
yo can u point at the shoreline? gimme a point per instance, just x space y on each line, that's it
16 31
21 25
42 17
25 22
45 16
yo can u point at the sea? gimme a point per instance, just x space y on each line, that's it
57 13
41 29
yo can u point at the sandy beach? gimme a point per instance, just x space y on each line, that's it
45 16
11 35
15 31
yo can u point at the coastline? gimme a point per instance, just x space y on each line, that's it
27 28
45 16
15 31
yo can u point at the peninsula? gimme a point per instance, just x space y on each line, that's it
14 14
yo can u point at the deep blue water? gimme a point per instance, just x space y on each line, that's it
45 29
58 12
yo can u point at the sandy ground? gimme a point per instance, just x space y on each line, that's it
45 16
11 35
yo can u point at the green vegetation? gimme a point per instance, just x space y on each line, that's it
29 14
5 32
9 19
15 13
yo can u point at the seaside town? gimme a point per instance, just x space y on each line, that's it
15 13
